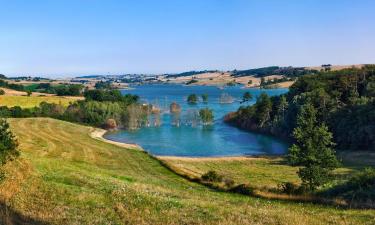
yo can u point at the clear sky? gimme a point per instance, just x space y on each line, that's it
74 37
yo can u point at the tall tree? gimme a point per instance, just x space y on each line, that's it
312 149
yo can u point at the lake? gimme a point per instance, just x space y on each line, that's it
218 139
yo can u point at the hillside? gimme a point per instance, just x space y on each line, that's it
65 177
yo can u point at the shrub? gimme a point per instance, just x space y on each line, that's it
242 189
192 99
2 92
8 143
359 191
206 116
291 188
212 176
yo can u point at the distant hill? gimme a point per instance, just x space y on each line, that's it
274 70
190 73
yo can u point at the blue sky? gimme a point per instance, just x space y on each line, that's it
74 37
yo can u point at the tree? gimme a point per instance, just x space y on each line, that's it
192 99
2 92
312 149
247 96
206 116
205 98
28 92
263 109
8 143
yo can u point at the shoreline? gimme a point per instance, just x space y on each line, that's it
98 133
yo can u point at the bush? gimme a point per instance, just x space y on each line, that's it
212 176
8 143
2 92
291 188
359 191
242 189
192 99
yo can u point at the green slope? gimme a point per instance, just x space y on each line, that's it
65 177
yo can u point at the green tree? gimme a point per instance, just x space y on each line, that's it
247 96
312 149
192 99
2 92
205 98
263 109
8 143
206 116
28 92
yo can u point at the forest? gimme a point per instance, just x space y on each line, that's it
344 100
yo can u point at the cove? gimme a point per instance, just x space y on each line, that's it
218 139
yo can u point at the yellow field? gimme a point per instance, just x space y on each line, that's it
32 101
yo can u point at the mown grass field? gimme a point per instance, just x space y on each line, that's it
65 177
32 101
260 173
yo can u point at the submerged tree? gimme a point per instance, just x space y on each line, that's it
205 98
192 99
8 143
225 98
313 149
247 96
206 116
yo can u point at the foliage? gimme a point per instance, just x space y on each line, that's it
192 81
8 143
190 73
205 98
358 191
247 96
102 95
212 176
206 115
192 99
312 149
60 89
344 99
274 70
2 92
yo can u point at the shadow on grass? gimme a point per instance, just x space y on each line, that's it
8 216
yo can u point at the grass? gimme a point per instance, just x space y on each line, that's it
32 101
65 177
256 172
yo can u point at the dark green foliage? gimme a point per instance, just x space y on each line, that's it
205 98
60 90
8 143
274 70
291 188
359 191
190 73
192 81
247 96
206 115
110 96
345 102
242 189
103 85
16 87
212 176
192 99
312 149
2 92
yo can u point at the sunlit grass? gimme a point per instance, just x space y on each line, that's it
32 101
65 177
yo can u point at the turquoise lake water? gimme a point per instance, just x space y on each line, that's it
218 139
